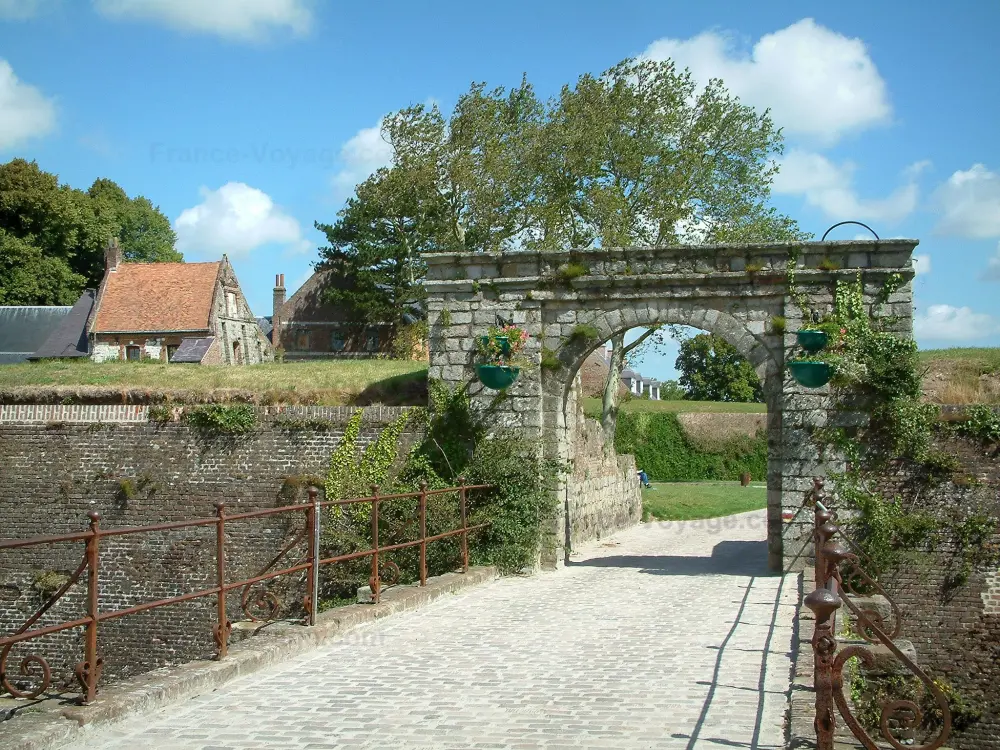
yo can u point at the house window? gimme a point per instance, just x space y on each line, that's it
231 304
302 340
237 353
171 349
337 341
371 341
133 353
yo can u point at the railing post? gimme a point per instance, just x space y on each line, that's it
375 581
314 521
91 670
824 603
221 619
465 525
423 533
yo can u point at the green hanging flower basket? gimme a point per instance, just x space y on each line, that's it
810 373
503 342
812 340
497 377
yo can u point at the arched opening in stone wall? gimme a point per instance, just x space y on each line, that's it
736 292
583 511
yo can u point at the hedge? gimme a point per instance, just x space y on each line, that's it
667 454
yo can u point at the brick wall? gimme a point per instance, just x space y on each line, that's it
57 463
956 630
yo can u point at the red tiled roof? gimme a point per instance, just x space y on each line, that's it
157 297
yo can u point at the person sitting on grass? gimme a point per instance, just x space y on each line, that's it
643 479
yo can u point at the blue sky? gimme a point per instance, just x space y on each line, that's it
248 121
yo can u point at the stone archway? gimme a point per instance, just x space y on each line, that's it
571 301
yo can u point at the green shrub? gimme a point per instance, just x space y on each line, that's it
550 360
667 454
571 271
160 413
585 332
518 506
981 423
222 419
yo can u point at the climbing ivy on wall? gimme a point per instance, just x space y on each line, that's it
342 459
878 372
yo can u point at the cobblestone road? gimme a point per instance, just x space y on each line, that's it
667 636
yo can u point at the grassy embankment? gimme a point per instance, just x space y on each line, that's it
328 383
962 375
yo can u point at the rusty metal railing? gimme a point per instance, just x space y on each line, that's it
839 574
256 605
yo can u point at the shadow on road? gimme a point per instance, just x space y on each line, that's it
728 558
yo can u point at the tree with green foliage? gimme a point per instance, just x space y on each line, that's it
459 184
374 248
639 155
712 369
52 236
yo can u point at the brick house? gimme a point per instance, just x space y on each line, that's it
174 312
306 326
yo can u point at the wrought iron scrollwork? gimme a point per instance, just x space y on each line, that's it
257 601
33 667
839 575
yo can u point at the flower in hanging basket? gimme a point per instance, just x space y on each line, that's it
501 345
500 358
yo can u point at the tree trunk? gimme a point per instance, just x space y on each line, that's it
609 411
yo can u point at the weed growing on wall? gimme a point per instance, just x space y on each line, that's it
213 420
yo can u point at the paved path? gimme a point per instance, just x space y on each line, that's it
667 636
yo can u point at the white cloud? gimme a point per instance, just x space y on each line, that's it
829 187
947 323
970 203
236 219
816 82
921 264
246 20
25 112
19 10
360 156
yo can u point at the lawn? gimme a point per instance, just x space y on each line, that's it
687 501
592 406
328 382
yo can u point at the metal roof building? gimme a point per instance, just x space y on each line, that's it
24 328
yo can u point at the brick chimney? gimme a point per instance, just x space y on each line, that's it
277 312
112 255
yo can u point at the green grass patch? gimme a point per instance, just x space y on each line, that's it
688 501
328 382
592 407
984 359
